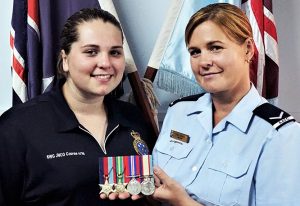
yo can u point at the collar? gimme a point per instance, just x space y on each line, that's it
242 113
240 116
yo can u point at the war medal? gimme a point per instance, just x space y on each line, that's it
104 164
139 145
120 187
147 186
134 186
106 188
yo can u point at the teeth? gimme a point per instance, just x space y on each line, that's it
102 76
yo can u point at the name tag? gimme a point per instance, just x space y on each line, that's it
180 136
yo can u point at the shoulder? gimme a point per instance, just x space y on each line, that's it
273 115
25 112
191 98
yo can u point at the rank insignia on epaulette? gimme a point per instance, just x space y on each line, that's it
180 136
274 115
139 145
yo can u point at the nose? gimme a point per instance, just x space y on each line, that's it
103 60
205 60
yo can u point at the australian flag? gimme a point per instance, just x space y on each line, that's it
34 40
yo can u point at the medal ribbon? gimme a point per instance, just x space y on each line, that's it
151 164
147 165
101 171
132 166
105 168
120 169
109 168
138 164
126 163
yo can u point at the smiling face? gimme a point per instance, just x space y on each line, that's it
96 62
219 63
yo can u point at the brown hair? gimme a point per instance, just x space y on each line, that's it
230 18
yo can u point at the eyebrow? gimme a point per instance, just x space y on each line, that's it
213 42
96 46
210 43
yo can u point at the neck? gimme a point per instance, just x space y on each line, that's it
224 102
83 105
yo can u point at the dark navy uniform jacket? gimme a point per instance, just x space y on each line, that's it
47 158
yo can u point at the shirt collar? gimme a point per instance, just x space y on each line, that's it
242 113
240 116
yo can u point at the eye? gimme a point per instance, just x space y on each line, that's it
194 52
215 48
116 52
91 52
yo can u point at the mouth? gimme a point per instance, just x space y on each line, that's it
209 74
101 76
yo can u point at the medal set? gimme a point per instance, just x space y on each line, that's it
133 174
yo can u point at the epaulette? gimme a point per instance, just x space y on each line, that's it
188 98
274 115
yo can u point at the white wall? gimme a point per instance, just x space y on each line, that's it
5 57
142 20
288 29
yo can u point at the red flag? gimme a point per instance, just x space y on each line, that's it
264 69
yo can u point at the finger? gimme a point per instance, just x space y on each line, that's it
103 196
160 174
124 195
136 197
157 181
113 196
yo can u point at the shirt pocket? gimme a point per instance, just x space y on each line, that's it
175 159
232 177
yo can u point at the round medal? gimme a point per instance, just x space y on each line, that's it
147 187
134 187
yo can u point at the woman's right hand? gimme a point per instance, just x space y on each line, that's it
170 191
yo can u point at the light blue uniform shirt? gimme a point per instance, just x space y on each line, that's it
244 160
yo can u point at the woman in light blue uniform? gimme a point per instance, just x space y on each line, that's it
228 146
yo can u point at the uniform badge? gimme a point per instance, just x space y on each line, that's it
180 136
139 145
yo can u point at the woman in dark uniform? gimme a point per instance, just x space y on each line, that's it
50 146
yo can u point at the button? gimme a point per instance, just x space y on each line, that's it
194 168
172 148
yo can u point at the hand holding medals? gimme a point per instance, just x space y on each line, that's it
132 174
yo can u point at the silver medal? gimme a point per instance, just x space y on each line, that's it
134 187
147 187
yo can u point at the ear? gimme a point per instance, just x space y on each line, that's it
64 61
249 44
